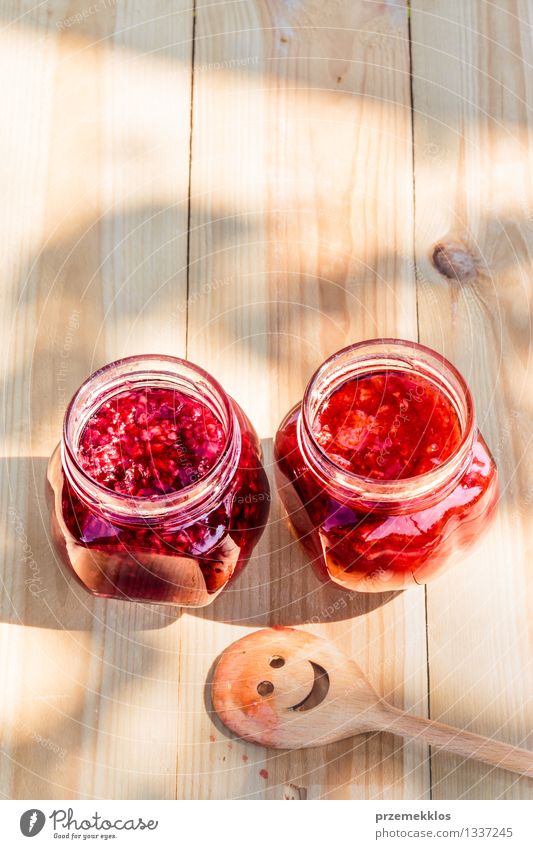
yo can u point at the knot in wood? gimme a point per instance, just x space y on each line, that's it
454 261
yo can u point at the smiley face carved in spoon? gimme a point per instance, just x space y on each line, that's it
288 689
270 687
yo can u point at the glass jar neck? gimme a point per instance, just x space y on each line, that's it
177 508
401 494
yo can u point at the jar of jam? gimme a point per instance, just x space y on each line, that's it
158 493
381 468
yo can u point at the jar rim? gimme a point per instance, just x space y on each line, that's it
372 354
144 368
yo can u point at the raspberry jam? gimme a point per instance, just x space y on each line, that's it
157 488
150 441
381 468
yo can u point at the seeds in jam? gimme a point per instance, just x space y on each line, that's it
388 425
150 441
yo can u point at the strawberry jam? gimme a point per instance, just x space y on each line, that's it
158 489
387 425
382 471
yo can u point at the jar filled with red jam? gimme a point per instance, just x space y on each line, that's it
157 487
381 468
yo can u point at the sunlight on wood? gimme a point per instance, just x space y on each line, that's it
290 233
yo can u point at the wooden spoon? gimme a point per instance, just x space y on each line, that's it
288 689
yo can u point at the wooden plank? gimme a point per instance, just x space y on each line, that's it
301 242
97 179
473 101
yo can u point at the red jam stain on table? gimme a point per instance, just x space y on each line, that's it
383 426
151 442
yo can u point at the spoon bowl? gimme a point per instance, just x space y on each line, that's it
286 689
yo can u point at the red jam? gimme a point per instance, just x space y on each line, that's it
387 430
150 441
387 425
141 448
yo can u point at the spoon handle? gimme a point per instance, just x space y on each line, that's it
460 742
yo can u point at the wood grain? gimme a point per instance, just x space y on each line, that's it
473 106
304 244
94 268
288 234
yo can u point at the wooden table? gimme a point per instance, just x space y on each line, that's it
254 184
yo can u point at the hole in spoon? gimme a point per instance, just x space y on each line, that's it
319 690
265 688
276 662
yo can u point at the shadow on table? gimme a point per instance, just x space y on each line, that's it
279 585
38 590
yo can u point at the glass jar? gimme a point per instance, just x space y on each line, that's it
148 505
389 527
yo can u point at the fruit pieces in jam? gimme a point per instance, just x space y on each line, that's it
153 442
150 441
384 426
387 426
